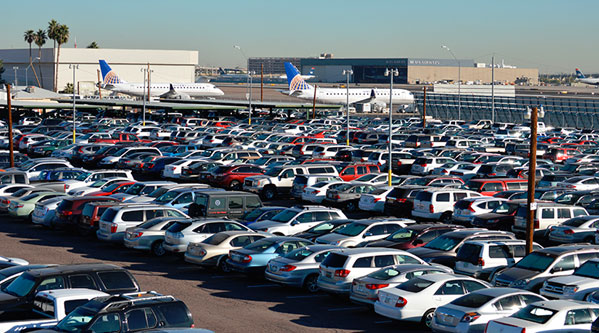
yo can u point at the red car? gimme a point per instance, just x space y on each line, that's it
117 187
412 236
232 177
560 154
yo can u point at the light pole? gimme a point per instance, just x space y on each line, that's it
390 72
249 81
74 67
347 73
146 72
15 68
459 81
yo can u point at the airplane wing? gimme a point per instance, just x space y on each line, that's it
366 100
172 94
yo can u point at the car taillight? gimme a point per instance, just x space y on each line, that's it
113 227
337 196
150 166
423 165
536 224
287 268
470 317
431 208
67 213
480 262
317 191
568 231
342 273
134 234
398 162
246 259
377 199
402 200
492 174
19 206
470 207
401 302
66 187
375 286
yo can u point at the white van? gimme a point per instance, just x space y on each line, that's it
547 215
438 203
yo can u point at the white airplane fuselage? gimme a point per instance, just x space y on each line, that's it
356 95
594 82
157 89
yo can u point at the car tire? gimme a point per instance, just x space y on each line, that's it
310 283
235 185
445 217
269 192
223 266
157 248
427 318
351 206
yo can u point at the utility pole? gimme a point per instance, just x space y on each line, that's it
250 103
493 89
347 73
532 164
16 80
11 153
148 87
424 108
74 67
391 72
99 84
314 103
143 110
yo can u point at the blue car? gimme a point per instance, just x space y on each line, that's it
154 168
61 174
260 214
253 258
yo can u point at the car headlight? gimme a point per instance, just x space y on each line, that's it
520 283
570 289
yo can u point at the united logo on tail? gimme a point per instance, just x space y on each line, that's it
108 75
294 78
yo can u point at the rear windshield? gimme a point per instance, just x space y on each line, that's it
463 204
335 260
535 314
575 222
384 274
88 210
65 205
472 300
415 285
175 314
469 253
443 243
474 185
299 254
261 245
178 226
116 280
424 196
301 180
352 229
109 215
216 239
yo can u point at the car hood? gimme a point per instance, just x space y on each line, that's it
424 252
573 280
266 224
514 273
332 237
387 243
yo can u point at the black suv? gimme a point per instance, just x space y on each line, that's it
126 313
19 294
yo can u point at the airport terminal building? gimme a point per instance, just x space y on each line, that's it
413 70
165 66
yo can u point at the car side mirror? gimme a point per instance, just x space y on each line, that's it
294 223
418 241
368 234
557 269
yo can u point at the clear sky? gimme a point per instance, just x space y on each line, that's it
554 36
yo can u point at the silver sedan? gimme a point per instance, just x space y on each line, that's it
575 230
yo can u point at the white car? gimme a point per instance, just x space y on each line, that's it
448 167
297 219
424 165
466 210
375 200
366 230
88 178
580 284
417 299
471 312
580 183
96 186
174 170
317 192
466 172
548 316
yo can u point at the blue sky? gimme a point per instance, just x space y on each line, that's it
554 36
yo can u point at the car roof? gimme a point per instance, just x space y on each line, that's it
71 293
73 268
365 250
563 304
557 250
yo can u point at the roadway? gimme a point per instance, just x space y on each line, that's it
222 303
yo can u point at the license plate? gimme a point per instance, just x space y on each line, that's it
328 274
360 288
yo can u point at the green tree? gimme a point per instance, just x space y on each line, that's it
68 89
40 40
62 36
52 34
29 37
93 45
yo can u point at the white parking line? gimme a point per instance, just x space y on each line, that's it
347 309
307 296
263 286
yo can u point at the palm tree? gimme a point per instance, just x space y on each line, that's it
29 37
52 34
93 45
62 36
40 40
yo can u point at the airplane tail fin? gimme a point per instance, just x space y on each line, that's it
221 71
109 77
294 78
579 74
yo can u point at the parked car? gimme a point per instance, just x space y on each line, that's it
254 257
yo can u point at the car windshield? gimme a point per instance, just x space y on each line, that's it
299 254
83 176
416 181
76 320
536 314
21 286
384 274
273 172
575 222
111 188
472 300
415 285
158 192
284 216
443 243
402 235
536 261
367 178
135 189
167 197
216 239
261 245
505 208
99 183
252 215
589 269
352 229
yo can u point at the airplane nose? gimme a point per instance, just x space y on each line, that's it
219 92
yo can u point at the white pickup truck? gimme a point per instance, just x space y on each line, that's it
49 307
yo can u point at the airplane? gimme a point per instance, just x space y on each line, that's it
380 97
111 81
308 76
581 78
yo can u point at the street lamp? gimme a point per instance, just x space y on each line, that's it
390 72
347 73
15 68
74 67
459 81
146 72
249 81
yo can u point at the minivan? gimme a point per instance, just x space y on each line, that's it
224 204
438 203
547 214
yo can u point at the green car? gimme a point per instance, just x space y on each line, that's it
23 207
46 149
